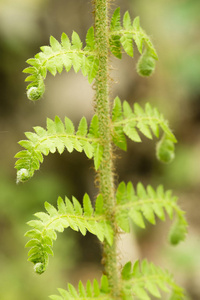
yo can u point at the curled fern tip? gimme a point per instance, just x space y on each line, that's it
39 268
146 65
23 175
34 93
178 231
165 150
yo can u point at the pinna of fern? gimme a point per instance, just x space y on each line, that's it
57 56
136 206
142 204
140 281
92 291
68 54
68 214
59 136
148 121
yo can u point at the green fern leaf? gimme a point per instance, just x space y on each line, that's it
67 63
115 46
58 136
127 43
57 56
93 65
146 204
87 205
127 21
118 133
81 289
127 39
90 40
92 291
115 23
87 148
117 110
136 24
69 126
76 41
131 132
104 284
55 45
68 214
144 280
146 121
82 127
99 205
97 147
89 289
65 42
115 26
94 127
98 154
76 61
90 63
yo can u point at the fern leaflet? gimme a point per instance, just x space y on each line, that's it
145 279
90 292
137 282
148 121
146 204
57 56
124 36
69 214
58 136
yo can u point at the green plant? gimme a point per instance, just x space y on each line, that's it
114 207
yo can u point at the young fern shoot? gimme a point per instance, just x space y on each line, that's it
114 206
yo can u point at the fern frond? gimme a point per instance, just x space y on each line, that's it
68 214
92 291
123 36
146 204
145 279
57 136
148 121
57 56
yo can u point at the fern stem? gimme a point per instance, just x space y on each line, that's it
102 104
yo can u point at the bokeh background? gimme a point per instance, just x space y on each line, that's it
174 88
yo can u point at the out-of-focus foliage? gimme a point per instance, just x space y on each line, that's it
18 21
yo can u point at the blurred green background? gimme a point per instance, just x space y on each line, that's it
174 88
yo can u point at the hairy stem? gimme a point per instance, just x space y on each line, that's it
106 178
